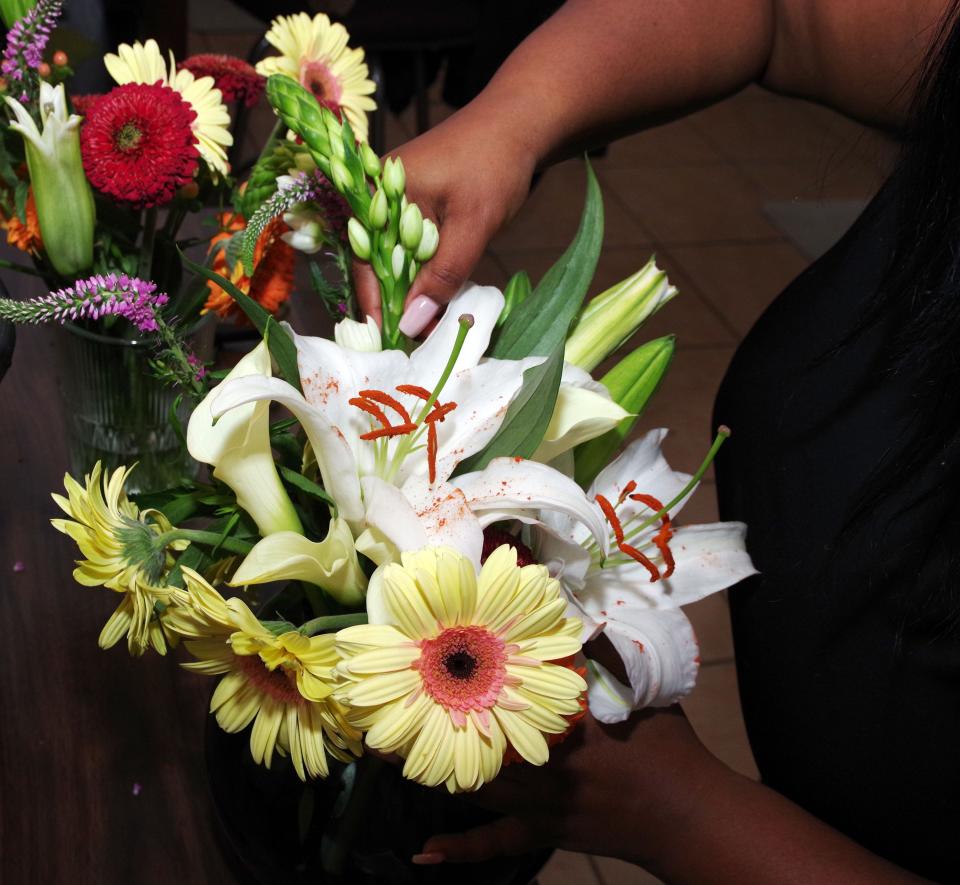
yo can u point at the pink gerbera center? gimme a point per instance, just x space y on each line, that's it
279 684
463 668
322 82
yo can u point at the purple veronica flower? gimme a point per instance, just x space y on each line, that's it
28 37
101 295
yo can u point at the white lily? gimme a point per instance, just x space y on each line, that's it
331 564
619 596
388 431
237 446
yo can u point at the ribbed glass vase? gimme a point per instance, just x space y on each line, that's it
117 412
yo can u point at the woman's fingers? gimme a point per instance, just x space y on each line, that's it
503 837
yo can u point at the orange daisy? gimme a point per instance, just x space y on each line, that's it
272 280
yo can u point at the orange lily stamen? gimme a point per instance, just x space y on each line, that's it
661 539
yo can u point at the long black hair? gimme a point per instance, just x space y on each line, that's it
920 290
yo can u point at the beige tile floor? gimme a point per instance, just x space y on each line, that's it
693 192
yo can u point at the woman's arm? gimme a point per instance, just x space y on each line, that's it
647 791
599 69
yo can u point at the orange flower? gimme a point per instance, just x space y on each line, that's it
25 236
272 279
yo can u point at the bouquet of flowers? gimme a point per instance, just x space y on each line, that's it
449 520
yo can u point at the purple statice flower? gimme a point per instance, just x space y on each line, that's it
101 295
28 37
199 369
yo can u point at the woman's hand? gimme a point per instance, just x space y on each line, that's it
618 790
470 177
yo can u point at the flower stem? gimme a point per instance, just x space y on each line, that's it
723 434
210 539
329 623
146 243
19 268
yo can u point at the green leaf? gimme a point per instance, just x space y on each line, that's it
20 195
280 343
542 321
631 382
528 415
298 480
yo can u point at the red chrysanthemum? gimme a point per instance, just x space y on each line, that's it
237 80
138 143
83 103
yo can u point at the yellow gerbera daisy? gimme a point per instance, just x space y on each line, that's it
314 52
455 667
117 540
283 684
143 63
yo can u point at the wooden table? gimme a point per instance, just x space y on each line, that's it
100 753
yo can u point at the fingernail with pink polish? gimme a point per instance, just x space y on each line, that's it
417 316
428 859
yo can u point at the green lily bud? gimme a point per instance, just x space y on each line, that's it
412 272
303 162
378 209
359 239
518 290
61 191
340 175
371 162
429 240
411 226
613 316
631 383
394 178
397 259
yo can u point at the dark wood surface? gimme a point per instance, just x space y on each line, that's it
80 726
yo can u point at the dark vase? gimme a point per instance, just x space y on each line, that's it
274 828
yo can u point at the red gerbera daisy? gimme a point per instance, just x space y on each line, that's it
82 103
237 80
138 145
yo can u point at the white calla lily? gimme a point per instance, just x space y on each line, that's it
388 437
615 594
331 564
237 446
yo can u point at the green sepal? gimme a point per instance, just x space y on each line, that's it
518 289
281 345
528 415
631 382
542 321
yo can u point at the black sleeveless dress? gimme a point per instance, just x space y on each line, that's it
851 694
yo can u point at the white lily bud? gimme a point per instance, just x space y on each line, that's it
359 239
394 178
371 162
411 226
397 259
340 175
364 337
378 209
429 240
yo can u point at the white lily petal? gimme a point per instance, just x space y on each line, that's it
334 457
484 304
446 518
579 415
391 516
609 699
519 485
659 651
330 564
377 610
238 448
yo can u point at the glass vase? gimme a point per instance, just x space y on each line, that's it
117 412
